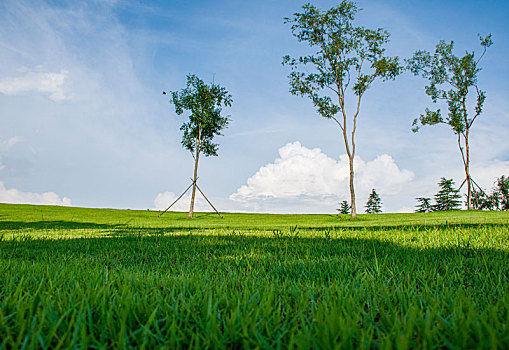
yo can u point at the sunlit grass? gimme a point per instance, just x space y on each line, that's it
72 277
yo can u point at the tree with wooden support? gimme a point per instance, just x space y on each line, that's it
451 78
204 103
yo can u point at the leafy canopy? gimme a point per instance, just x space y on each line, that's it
204 103
345 56
450 79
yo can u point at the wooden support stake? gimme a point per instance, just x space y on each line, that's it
176 200
462 184
203 194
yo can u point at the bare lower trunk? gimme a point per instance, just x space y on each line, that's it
191 208
352 190
467 173
350 151
195 177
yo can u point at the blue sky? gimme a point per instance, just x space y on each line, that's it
83 120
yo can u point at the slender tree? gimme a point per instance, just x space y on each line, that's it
344 207
346 61
424 205
447 197
204 104
451 78
374 203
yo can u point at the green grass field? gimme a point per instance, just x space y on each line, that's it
95 278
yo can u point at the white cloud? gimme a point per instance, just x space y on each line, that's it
19 197
310 177
50 84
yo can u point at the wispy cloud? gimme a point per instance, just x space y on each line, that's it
50 84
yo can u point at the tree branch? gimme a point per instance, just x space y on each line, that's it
479 111
337 122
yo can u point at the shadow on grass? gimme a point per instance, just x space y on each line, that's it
288 255
124 229
55 225
407 227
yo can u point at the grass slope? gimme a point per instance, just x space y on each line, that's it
75 277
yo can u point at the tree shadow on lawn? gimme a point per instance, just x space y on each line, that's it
126 229
407 227
119 228
263 254
55 225
368 276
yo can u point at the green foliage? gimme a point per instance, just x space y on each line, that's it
503 191
344 207
91 278
424 205
482 201
497 200
447 197
346 60
204 103
450 80
374 203
346 56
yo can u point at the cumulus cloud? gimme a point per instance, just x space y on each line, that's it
50 84
19 197
313 178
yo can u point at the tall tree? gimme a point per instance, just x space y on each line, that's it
204 104
374 203
346 61
447 197
451 78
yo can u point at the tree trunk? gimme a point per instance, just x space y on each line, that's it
351 155
467 173
352 190
195 177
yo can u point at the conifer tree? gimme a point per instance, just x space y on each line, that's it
374 204
447 197
424 205
344 207
502 188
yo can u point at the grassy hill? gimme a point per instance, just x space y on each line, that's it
76 277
